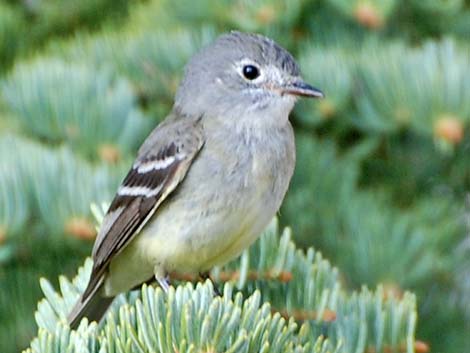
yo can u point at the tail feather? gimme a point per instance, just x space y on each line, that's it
93 306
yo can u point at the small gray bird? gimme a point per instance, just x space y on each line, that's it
209 178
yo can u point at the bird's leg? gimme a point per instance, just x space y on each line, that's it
164 282
206 275
162 277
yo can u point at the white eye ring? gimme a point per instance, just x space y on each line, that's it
249 70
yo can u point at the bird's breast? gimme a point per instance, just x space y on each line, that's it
230 194
242 182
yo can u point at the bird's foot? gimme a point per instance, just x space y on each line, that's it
164 283
205 276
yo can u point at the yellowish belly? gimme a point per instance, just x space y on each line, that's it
190 244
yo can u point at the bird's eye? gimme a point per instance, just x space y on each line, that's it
250 72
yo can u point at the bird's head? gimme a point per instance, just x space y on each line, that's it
241 73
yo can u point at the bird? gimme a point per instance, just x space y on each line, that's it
209 178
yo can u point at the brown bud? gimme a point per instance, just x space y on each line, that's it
285 276
109 153
3 234
266 14
327 108
392 290
449 128
402 115
80 228
421 347
72 131
302 315
368 16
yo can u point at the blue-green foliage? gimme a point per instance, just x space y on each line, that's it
381 178
72 104
191 319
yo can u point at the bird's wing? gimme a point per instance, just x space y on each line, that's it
161 165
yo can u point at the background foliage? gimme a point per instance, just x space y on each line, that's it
380 186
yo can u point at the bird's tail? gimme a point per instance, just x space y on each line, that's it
92 305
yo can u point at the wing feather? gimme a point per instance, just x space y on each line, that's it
162 164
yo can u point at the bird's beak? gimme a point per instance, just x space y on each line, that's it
300 88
